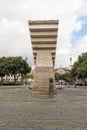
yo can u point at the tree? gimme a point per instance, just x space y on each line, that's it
28 75
56 76
59 76
3 68
14 66
79 70
65 76
68 77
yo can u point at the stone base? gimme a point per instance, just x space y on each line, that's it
41 80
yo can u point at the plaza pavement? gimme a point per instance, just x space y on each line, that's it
20 111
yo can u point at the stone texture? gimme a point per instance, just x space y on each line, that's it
41 80
43 37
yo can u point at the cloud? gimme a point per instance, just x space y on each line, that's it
13 38
81 46
14 30
78 26
83 8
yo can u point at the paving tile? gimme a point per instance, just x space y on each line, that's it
20 111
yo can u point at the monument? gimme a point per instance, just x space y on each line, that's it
43 38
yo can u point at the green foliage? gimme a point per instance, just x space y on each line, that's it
3 68
28 75
59 76
56 76
67 77
14 66
79 69
7 83
17 65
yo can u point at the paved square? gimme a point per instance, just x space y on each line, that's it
20 111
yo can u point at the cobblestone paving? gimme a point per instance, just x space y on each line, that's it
20 111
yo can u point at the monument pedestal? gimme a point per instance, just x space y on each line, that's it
41 80
43 37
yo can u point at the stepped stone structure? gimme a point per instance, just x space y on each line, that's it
43 38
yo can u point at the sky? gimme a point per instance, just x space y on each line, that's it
72 31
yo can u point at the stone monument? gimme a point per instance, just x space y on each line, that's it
43 38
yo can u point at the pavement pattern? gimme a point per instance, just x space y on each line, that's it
20 111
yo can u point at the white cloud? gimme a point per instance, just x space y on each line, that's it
81 46
14 39
78 26
83 8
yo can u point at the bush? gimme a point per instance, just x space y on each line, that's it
12 83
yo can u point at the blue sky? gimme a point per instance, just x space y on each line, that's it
77 35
